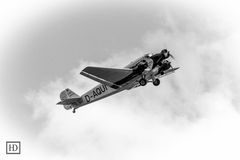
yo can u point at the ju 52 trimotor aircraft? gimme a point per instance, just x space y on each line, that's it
148 68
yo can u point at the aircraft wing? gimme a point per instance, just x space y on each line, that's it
167 72
112 77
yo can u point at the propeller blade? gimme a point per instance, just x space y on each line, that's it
172 56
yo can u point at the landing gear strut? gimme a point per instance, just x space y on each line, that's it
156 82
74 110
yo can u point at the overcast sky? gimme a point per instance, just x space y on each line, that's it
193 114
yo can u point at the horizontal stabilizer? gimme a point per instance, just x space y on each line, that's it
109 76
70 101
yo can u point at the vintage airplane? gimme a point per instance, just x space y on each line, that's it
148 68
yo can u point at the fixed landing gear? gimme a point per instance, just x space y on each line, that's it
156 82
142 82
74 110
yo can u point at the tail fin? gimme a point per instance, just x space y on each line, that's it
68 94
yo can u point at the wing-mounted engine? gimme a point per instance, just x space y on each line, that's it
165 66
158 58
159 69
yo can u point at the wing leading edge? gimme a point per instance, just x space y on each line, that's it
112 77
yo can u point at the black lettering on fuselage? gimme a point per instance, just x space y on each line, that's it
98 91
102 89
87 98
104 86
94 94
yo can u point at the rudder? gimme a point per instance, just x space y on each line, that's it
67 93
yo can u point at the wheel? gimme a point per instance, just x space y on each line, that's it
74 111
143 82
156 82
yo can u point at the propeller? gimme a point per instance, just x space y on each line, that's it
164 54
170 55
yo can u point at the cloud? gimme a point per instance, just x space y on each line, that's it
193 114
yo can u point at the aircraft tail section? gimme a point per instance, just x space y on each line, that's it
69 99
67 93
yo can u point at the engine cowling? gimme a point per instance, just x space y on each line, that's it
165 66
